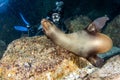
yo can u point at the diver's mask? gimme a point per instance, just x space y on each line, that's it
55 17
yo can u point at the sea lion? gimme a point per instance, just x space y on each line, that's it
86 43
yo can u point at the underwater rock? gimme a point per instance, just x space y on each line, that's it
77 23
37 58
2 47
113 30
110 71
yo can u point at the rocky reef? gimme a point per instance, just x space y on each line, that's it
110 71
113 30
37 58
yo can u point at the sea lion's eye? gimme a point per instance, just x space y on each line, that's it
51 23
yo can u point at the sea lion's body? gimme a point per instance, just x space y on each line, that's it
81 43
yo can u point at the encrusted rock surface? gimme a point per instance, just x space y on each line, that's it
37 58
77 23
110 71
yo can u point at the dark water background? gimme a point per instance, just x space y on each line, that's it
35 10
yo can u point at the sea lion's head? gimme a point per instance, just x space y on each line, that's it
48 27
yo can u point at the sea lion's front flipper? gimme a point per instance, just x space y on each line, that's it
97 24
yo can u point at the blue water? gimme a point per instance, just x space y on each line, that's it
17 15
3 5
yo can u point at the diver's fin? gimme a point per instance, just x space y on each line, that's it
97 24
24 20
21 28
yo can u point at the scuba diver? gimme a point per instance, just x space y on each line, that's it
55 15
31 31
